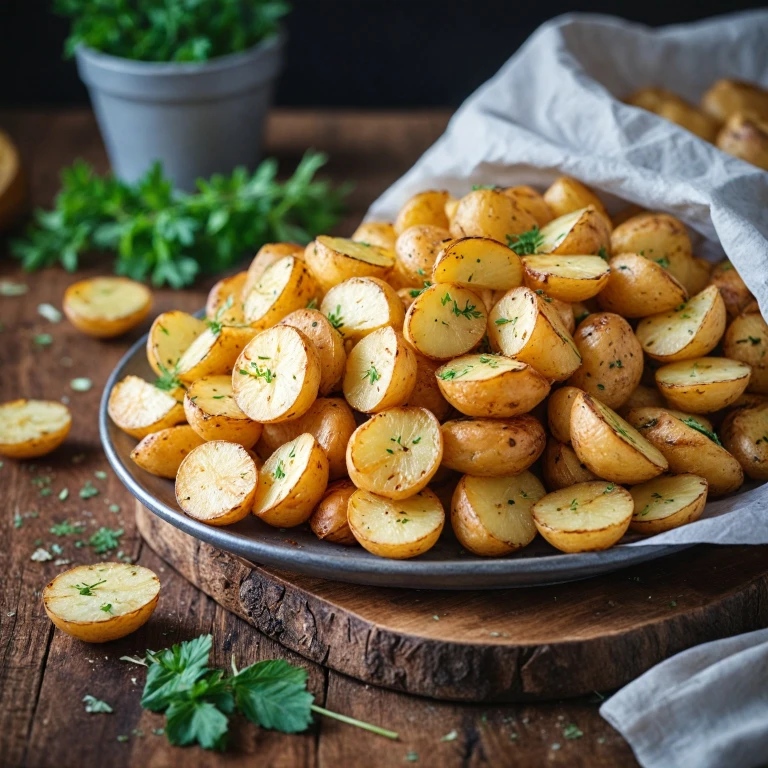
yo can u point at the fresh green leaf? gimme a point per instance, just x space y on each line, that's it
196 721
526 243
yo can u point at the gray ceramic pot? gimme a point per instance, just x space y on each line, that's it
196 118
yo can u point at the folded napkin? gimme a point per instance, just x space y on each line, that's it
706 707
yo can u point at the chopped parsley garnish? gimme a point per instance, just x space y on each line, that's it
66 528
95 706
504 321
279 472
168 379
452 373
216 324
312 304
693 424
414 292
260 373
489 360
87 589
107 607
616 364
663 262
371 374
88 491
751 339
526 243
105 539
335 318
602 253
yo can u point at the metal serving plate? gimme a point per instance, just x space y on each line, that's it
445 566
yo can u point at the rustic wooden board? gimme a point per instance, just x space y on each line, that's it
505 645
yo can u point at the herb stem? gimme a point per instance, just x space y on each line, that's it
357 723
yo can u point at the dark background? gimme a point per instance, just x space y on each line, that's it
346 53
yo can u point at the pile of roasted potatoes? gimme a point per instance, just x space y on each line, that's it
518 359
732 114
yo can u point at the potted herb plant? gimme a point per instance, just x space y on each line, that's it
188 82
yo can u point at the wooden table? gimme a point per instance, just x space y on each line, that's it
44 674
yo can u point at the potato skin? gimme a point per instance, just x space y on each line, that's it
492 447
559 412
727 96
416 250
161 453
744 436
611 359
694 397
266 256
424 208
379 233
587 236
532 202
331 267
561 467
329 520
745 136
490 213
225 289
566 195
746 340
734 291
426 393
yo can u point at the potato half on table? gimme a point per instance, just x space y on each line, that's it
665 503
32 428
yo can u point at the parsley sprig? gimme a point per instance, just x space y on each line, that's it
526 243
699 427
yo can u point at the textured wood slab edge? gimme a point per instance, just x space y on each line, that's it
280 606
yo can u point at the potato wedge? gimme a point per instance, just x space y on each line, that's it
746 340
704 384
395 453
532 202
587 517
491 385
415 252
561 467
361 305
745 436
445 321
733 289
139 408
691 330
689 448
530 330
425 208
725 97
277 376
105 307
267 255
745 136
212 412
566 195
668 502
610 447
611 359
426 392
225 300
582 232
335 259
478 262
161 453
491 517
396 529
101 602
329 519
32 428
492 447
330 420
490 213
559 412
216 483
567 278
291 483
638 287
379 233
381 372
171 334
328 342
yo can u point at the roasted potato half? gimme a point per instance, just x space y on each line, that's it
104 307
161 453
492 447
267 255
689 447
329 519
32 428
610 447
379 233
491 517
586 517
397 529
561 467
491 385
559 412
426 393
530 330
704 384
567 278
745 436
746 340
690 330
381 372
335 259
532 202
641 397
213 352
566 195
478 262
425 208
415 252
582 232
139 408
746 136
734 291
291 483
668 502
395 453
490 213
101 602
171 334
725 97
225 300
611 358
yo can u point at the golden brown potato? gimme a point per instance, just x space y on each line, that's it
490 213
267 255
171 334
567 278
674 108
584 232
423 208
698 279
161 453
566 195
641 397
746 136
329 520
478 263
426 393
139 408
561 467
704 384
747 340
335 259
627 213
559 412
492 447
564 311
32 428
415 252
725 97
491 517
532 202
668 502
735 293
379 233
611 359
105 307
225 300
745 436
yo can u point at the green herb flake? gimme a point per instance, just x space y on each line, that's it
572 731
81 384
10 289
105 539
43 340
336 319
66 528
279 472
87 589
63 494
693 424
526 243
96 706
450 736
88 491
49 312
100 474
371 374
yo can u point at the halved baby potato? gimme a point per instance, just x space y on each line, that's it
267 255
426 393
492 447
478 262
638 287
277 376
610 447
335 259
171 334
328 342
566 195
139 408
532 202
445 321
425 208
101 602
490 213
745 435
491 517
329 519
395 453
491 385
733 289
291 483
225 300
582 232
691 330
104 307
530 330
561 467
704 384
396 528
381 372
668 502
361 305
415 252
212 412
587 517
32 428
161 453
379 233
559 412
641 397
567 278
216 483
747 340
